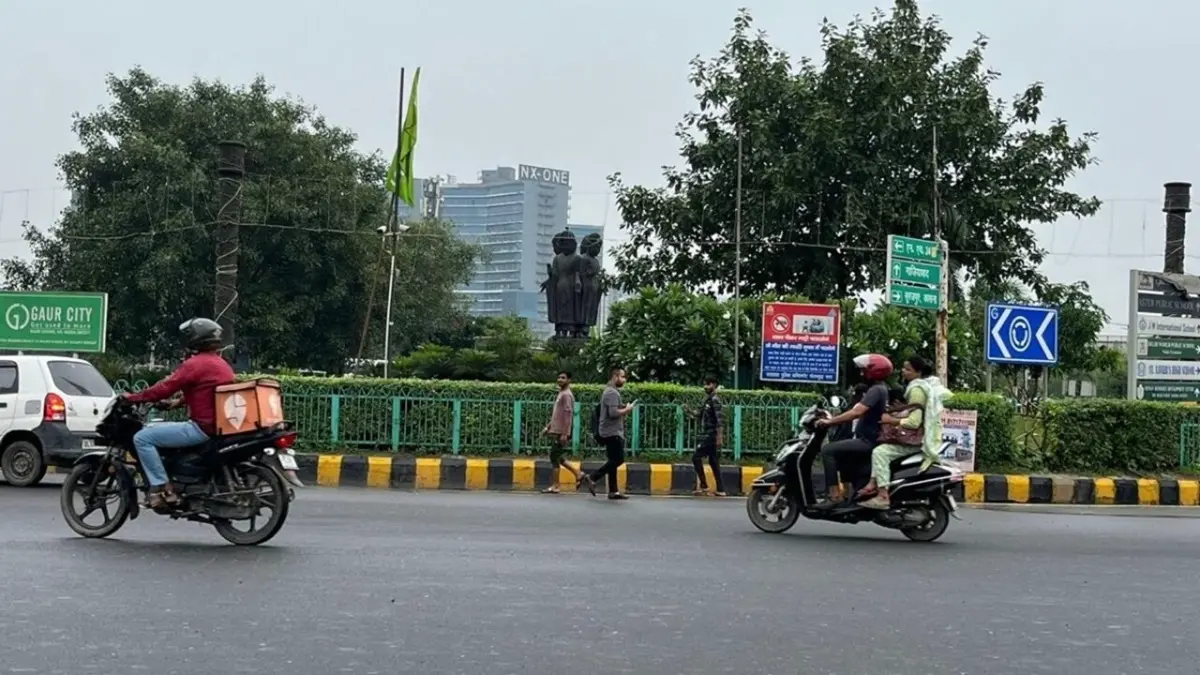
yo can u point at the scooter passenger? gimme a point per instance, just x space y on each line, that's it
850 458
918 430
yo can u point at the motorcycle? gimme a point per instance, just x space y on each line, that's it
921 501
223 482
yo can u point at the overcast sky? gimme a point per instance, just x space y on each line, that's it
597 86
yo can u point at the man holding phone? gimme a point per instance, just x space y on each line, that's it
612 431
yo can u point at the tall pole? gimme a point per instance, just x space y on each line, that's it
943 315
231 169
387 320
389 226
737 270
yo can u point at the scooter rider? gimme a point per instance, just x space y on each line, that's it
851 456
197 377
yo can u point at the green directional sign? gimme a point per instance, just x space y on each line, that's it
914 249
914 273
1168 348
53 322
1168 392
914 297
909 272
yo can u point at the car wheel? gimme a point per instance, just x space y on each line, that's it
22 464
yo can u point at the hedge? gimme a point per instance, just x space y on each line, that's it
1133 437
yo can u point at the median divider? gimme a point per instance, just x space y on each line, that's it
404 472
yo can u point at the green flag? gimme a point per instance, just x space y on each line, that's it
400 174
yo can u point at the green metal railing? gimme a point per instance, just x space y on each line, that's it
425 424
1189 445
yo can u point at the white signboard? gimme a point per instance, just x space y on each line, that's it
1174 371
1166 326
543 175
961 427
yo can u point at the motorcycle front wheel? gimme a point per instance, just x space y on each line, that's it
91 489
778 521
265 489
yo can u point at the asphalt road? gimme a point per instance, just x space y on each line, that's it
447 583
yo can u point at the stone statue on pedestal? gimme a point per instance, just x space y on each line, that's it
572 285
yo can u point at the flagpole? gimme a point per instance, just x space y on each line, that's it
388 227
392 231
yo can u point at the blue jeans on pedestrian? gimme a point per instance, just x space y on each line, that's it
163 435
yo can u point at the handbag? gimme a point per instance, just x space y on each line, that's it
894 434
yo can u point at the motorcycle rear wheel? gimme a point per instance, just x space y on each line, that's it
258 476
932 530
756 503
78 482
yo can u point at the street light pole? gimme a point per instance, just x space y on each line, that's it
737 269
395 232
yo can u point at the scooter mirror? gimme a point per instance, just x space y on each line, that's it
835 401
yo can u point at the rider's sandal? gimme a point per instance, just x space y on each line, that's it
550 491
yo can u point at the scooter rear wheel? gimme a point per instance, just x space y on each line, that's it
784 518
935 528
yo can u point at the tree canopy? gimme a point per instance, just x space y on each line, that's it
838 153
144 201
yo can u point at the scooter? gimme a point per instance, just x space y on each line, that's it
921 501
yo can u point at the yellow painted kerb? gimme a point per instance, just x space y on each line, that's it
973 488
477 474
379 472
1018 489
429 473
329 470
1147 491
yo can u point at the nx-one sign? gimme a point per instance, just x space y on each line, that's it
544 175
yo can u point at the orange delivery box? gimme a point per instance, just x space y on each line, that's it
248 406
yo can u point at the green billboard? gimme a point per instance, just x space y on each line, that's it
53 322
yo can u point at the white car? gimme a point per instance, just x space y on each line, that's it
49 409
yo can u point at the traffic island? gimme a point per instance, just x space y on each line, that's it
404 472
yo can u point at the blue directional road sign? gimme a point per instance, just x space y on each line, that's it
1022 335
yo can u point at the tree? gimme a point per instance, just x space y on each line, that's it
668 335
139 225
838 154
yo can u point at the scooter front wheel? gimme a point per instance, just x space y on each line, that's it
771 515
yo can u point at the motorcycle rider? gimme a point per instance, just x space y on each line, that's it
197 378
850 456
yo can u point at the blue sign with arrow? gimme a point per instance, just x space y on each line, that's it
1022 335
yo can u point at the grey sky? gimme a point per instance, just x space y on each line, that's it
597 86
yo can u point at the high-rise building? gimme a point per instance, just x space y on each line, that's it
512 214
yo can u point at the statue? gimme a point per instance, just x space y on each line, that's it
589 286
563 286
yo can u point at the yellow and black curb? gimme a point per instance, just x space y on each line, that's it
523 475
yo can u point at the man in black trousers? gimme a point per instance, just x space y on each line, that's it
712 421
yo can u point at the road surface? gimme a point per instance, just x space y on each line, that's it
445 583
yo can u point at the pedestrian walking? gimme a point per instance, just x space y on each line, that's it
712 421
558 429
609 423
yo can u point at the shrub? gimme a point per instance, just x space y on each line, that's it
1135 437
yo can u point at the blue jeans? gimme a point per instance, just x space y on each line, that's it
163 435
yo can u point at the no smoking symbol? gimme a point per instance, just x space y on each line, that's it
779 323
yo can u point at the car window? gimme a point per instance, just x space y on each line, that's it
79 379
8 378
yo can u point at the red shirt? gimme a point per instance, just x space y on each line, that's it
198 377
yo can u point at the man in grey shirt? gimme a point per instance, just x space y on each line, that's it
612 431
